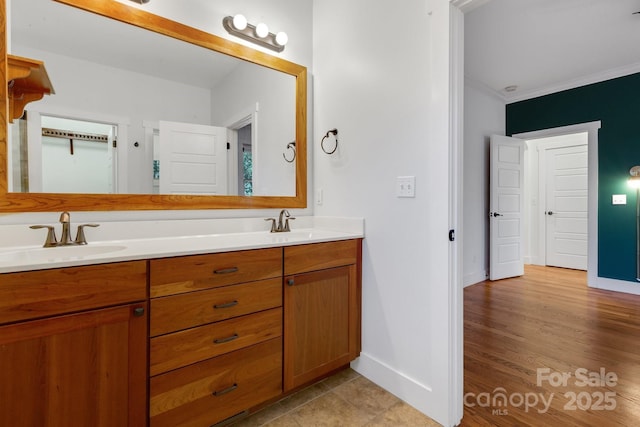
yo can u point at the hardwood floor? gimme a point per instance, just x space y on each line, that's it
523 334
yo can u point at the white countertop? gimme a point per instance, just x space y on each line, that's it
157 239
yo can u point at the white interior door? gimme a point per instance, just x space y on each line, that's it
566 207
506 205
193 159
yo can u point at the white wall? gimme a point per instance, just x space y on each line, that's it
484 115
384 86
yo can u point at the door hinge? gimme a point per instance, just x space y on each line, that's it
115 143
452 235
228 146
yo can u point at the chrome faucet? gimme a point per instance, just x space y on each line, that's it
65 240
281 227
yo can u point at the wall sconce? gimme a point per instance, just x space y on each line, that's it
140 1
259 34
634 182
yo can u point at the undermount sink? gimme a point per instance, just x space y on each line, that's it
57 253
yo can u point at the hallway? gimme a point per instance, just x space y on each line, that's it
544 349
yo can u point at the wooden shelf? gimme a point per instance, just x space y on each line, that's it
28 81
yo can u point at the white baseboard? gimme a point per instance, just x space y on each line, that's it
616 285
418 395
473 278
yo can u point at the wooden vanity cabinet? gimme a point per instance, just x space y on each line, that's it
216 335
73 346
322 309
223 334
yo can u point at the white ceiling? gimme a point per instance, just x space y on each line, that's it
541 46
49 26
544 46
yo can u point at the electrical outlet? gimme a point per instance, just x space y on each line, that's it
406 186
619 199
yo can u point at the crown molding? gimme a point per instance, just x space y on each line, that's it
468 5
478 85
573 83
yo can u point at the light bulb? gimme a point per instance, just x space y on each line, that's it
634 182
282 38
239 22
262 30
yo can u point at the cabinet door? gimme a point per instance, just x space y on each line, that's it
321 323
86 369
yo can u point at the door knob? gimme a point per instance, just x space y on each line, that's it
549 213
495 214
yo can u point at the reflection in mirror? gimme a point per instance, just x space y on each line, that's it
172 117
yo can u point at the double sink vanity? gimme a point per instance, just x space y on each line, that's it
169 323
162 322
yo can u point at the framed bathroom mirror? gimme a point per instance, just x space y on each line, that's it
212 83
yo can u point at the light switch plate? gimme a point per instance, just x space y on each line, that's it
619 199
406 186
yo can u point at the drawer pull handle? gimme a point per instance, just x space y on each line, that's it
226 390
226 304
291 282
226 270
138 311
227 339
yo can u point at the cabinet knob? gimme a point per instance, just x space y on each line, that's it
290 282
138 311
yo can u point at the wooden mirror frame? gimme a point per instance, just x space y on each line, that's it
46 202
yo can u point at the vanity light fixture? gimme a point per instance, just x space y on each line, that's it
259 34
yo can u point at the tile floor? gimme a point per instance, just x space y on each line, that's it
346 399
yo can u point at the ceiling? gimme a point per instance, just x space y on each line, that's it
543 46
54 27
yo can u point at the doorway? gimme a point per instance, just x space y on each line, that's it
591 129
65 154
556 198
245 161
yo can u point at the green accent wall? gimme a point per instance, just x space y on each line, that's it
616 103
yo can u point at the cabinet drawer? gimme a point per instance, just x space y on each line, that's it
319 256
208 392
196 272
182 348
35 294
173 313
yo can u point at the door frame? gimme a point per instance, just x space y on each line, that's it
591 128
120 157
535 225
248 116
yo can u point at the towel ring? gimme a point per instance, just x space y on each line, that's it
335 135
290 146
